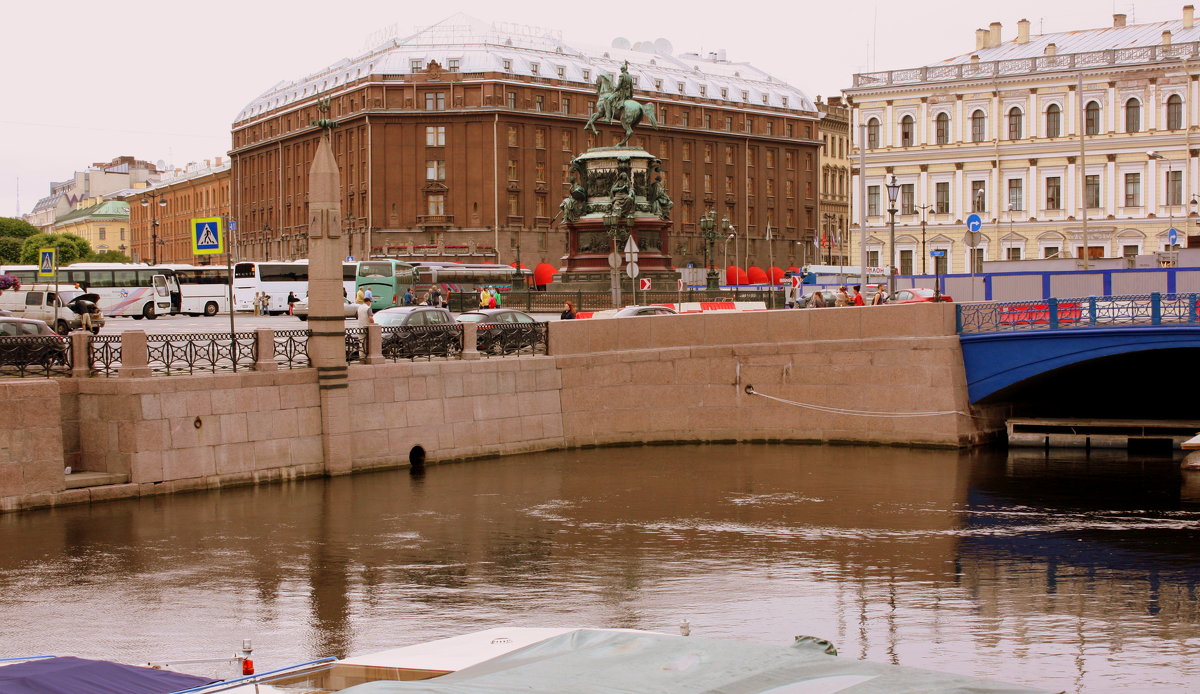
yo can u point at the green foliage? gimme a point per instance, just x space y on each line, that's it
16 228
10 250
71 248
104 257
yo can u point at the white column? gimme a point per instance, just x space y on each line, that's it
1071 183
922 133
1031 189
889 125
1111 187
957 127
1033 118
1113 109
1150 110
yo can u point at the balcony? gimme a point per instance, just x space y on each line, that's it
435 221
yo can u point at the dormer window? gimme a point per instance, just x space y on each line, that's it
745 95
453 64
587 75
415 64
765 99
562 72
784 101
533 67
507 65
724 93
681 87
658 85
703 90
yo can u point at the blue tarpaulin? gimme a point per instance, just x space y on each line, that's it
69 675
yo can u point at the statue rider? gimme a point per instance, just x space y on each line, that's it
622 91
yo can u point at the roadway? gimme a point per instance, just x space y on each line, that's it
220 323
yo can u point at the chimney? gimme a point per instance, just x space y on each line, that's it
1118 20
993 34
974 59
981 39
1051 49
1023 31
1189 16
1166 38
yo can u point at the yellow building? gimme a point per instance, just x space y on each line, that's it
996 132
104 223
833 215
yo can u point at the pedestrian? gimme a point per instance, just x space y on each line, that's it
818 299
435 297
292 299
360 296
491 298
881 296
569 312
841 298
857 299
369 296
496 293
485 297
427 299
408 297
363 314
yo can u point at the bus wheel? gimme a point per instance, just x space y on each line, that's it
136 317
61 327
148 311
210 309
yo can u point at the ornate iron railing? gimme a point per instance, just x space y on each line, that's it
1085 312
356 345
499 339
291 348
34 355
422 341
191 352
104 354
552 301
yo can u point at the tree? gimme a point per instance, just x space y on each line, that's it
102 257
16 228
70 247
10 250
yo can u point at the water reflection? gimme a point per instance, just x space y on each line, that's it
1066 572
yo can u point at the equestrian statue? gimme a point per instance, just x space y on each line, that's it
618 99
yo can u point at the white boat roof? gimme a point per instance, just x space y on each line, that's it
457 652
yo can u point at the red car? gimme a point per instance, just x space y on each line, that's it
917 295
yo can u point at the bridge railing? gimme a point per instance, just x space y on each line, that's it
1082 312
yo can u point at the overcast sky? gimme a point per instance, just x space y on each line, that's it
85 82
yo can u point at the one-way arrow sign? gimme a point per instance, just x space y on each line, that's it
631 250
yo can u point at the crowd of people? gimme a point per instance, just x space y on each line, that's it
843 296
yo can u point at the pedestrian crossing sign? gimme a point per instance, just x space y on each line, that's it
47 262
208 235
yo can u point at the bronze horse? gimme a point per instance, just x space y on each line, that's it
632 112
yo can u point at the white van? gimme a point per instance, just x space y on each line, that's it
61 308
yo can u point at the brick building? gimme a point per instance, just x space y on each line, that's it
200 190
461 135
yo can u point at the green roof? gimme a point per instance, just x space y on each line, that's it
109 209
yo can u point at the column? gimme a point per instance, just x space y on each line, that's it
1071 192
923 124
135 361
81 362
264 353
374 344
470 341
1031 192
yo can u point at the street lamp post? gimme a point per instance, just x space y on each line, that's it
161 202
893 189
923 209
829 231
708 228
1170 207
617 227
733 233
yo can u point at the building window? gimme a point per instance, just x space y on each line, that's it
1091 118
1091 190
686 181
534 68
103 233
435 136
978 126
512 169
435 170
770 158
539 171
539 138
414 64
976 260
770 127
1013 253
789 160
907 198
1015 118
539 103
540 205
708 183
658 85
1174 112
1053 121
873 258
507 65
942 193
1133 116
1053 193
708 153
453 64
587 77
435 101
1174 187
565 105
729 123
685 119
687 151
708 121
511 100
873 133
1129 251
703 90
514 137
1133 190
729 183
566 141
906 131
514 205
784 101
942 128
1050 251
436 204
978 196
122 233
1016 194
873 200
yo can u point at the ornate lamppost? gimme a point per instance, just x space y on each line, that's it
161 202
924 209
708 227
893 190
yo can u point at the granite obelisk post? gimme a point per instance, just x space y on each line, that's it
326 320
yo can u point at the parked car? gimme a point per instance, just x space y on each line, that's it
503 330
17 349
46 302
644 311
399 343
300 309
917 295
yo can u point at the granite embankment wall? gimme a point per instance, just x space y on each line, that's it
671 378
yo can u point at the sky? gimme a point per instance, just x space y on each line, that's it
86 82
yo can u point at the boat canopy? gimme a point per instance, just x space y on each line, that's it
68 675
597 661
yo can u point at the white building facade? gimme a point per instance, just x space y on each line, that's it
996 132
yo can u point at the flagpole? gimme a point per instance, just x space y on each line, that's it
770 263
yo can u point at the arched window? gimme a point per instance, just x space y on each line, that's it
1174 112
1053 121
942 128
1133 116
978 126
906 131
1092 118
1014 123
873 133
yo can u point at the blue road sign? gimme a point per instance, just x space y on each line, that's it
1172 236
349 259
233 225
937 254
47 262
207 235
974 223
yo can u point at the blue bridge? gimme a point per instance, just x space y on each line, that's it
1005 343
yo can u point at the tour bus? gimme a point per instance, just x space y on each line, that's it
387 280
125 289
276 280
204 289
457 278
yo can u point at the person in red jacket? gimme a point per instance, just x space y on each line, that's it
857 299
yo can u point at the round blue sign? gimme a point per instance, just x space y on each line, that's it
974 223
1172 236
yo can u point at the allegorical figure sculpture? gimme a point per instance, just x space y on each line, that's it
621 196
575 204
656 195
617 101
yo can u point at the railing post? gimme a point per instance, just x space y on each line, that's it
1192 307
1155 308
470 341
264 350
374 344
135 360
1091 310
958 309
1052 304
81 353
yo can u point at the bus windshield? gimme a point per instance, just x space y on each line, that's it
375 269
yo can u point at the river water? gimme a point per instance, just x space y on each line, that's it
1071 573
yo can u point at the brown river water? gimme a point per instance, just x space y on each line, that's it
1070 572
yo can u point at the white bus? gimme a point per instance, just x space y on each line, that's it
125 289
276 279
204 289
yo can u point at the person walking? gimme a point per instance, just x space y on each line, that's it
408 297
881 296
292 299
485 297
360 296
496 293
435 297
369 296
491 298
818 299
569 312
857 299
841 298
